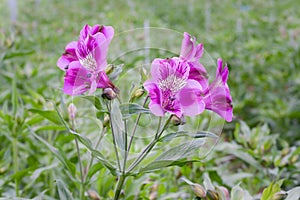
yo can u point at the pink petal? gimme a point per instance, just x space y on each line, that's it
190 98
76 79
100 51
67 57
187 46
155 98
108 31
198 73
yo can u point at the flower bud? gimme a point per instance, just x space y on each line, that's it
279 195
199 190
225 191
137 93
109 69
294 159
109 94
212 195
72 111
176 121
106 121
93 195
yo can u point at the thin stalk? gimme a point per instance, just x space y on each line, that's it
93 157
119 187
50 173
82 188
135 125
149 147
126 150
15 163
113 135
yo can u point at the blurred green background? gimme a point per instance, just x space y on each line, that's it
259 40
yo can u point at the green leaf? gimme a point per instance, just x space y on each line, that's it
14 97
17 54
51 127
293 194
175 155
239 152
51 115
93 170
117 125
200 134
38 171
70 166
88 144
158 164
63 192
132 108
182 150
95 101
270 191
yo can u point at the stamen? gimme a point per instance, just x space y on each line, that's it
172 83
89 62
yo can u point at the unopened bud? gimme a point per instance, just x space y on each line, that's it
109 94
137 93
285 151
109 69
93 195
176 121
225 191
72 111
199 190
279 196
212 195
294 158
106 121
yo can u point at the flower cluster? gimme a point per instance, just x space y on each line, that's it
178 85
85 61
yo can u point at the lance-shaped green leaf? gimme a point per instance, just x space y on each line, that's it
88 144
129 109
70 166
175 156
117 125
63 192
50 115
200 134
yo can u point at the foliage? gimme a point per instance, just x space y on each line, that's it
258 154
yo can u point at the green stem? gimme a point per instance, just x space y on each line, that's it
149 147
82 187
119 186
135 126
126 146
15 163
81 169
93 157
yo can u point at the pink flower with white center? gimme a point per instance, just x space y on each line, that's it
170 89
217 96
85 61
70 51
192 52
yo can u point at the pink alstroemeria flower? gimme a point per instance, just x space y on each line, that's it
170 89
191 52
70 51
85 61
217 97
